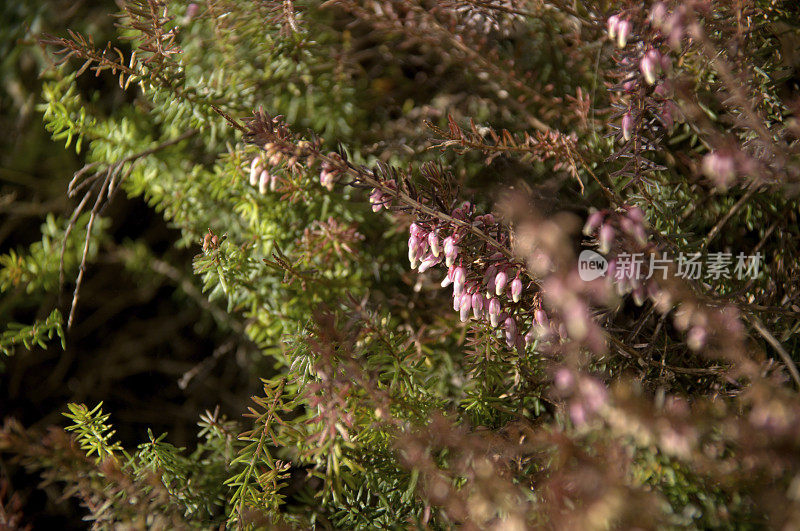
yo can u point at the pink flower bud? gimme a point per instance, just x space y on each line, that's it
491 272
697 338
255 170
564 379
719 168
612 25
477 305
623 31
494 310
456 301
511 339
658 14
490 286
592 222
674 28
450 250
462 211
530 336
577 320
577 413
413 251
191 10
448 279
465 306
627 225
413 244
593 393
649 64
326 179
636 214
606 238
375 198
263 182
500 282
627 126
511 326
541 324
459 277
422 250
428 262
433 241
516 289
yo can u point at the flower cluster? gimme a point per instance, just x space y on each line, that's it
612 229
380 199
670 25
619 232
619 29
606 225
265 168
261 176
489 290
588 394
329 174
642 83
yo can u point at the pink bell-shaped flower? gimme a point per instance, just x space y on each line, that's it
263 182
459 277
516 289
433 242
494 311
465 306
500 282
255 170
477 305
450 250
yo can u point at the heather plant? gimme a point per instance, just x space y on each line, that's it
491 264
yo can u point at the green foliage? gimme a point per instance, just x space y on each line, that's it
257 484
36 334
93 431
65 113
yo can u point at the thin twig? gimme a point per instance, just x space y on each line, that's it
761 329
70 225
82 269
367 178
735 208
110 184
